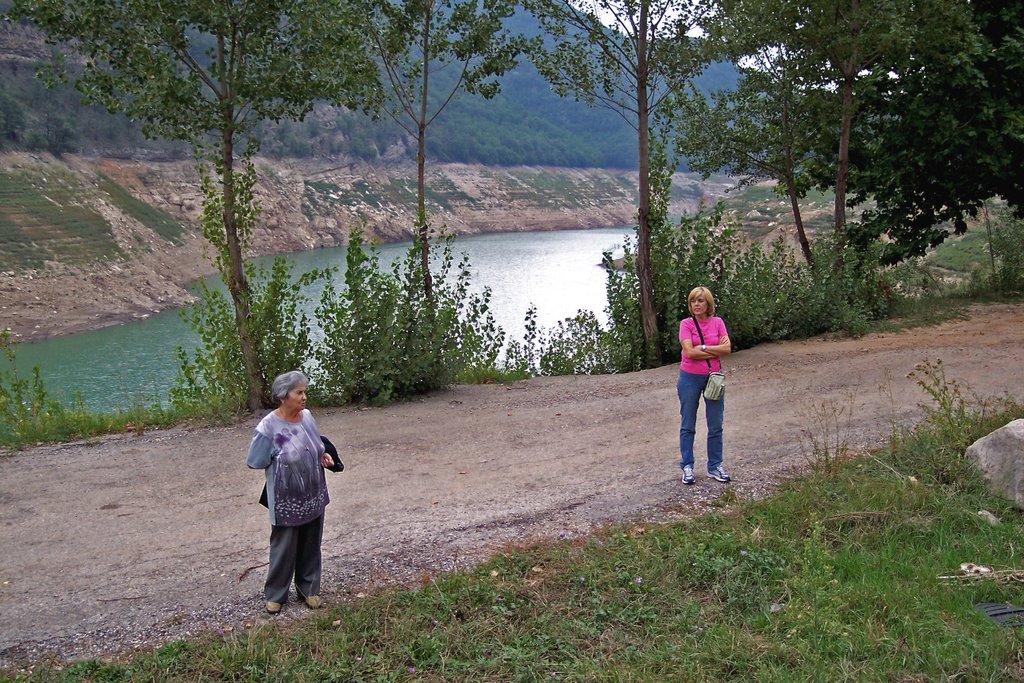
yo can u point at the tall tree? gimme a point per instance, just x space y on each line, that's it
836 45
628 56
206 71
944 133
757 131
418 40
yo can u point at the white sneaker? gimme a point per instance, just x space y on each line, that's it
688 475
718 474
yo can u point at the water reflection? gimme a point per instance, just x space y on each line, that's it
559 272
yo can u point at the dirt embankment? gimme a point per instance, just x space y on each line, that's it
134 540
305 205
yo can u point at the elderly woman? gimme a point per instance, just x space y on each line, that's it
287 444
704 340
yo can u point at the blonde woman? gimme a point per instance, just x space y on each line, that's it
704 340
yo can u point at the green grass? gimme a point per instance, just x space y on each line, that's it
968 253
43 218
72 421
907 314
834 578
30 415
153 218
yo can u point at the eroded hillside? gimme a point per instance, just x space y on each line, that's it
89 242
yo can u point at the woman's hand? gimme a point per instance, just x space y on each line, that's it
722 348
326 460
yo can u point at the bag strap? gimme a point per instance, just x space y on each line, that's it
701 335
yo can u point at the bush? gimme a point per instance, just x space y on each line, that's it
762 293
24 403
212 379
1008 250
384 340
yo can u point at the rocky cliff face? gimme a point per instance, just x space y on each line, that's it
310 204
305 205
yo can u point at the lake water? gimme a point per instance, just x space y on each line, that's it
559 272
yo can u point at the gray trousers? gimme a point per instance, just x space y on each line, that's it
294 552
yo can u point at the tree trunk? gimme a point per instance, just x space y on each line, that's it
794 197
257 394
644 273
421 162
421 215
801 235
843 169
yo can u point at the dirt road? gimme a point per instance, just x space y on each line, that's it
134 540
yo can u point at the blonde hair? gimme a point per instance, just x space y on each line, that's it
706 293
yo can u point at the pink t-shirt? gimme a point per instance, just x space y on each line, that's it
713 329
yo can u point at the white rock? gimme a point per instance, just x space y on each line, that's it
1000 457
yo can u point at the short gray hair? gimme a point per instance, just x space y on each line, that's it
285 382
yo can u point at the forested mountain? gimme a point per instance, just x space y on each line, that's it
525 124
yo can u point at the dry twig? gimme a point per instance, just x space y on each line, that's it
246 572
1000 576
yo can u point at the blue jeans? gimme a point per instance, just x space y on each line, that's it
690 388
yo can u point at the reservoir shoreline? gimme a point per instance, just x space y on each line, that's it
305 205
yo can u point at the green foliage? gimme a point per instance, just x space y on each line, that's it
384 341
937 454
523 124
29 110
575 346
941 133
193 71
243 214
1008 252
762 293
429 53
191 68
213 379
24 403
911 107
759 130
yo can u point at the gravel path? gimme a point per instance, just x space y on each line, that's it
136 540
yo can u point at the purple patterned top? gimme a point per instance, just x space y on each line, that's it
290 453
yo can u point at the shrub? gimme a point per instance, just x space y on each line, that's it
762 293
24 402
212 379
384 340
1008 250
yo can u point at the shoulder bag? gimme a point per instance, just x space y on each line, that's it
716 380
